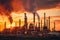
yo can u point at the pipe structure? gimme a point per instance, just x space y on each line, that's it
49 22
35 13
25 20
41 24
34 17
44 19
54 26
19 22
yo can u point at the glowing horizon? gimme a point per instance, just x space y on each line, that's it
17 16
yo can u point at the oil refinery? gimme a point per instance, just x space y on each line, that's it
33 30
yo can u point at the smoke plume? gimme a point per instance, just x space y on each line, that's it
40 4
6 8
6 4
27 5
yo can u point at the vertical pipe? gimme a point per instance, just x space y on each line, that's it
44 19
49 22
34 17
54 26
25 20
41 24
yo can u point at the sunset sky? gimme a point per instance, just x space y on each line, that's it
17 8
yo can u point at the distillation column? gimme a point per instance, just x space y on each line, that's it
49 22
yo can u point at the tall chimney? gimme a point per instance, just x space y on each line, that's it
41 24
54 26
49 22
34 18
44 19
19 22
25 20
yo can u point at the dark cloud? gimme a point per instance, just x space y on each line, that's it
29 5
40 4
7 5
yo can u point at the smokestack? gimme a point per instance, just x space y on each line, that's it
49 22
5 26
41 24
54 26
34 12
34 17
19 22
48 25
44 19
25 20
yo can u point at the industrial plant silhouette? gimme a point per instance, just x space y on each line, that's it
33 31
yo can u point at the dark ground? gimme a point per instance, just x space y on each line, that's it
29 38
